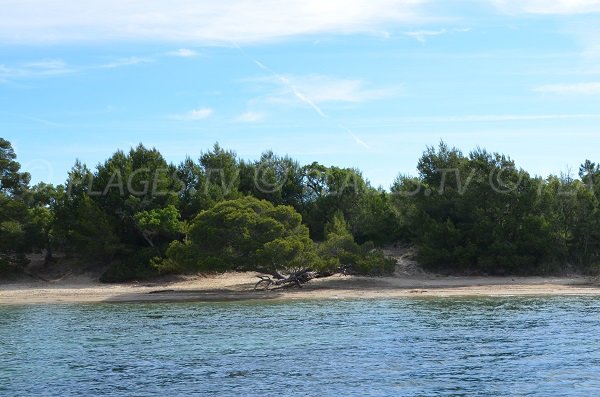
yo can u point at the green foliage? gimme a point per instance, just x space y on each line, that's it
44 201
113 214
192 180
129 183
243 234
329 190
292 253
15 241
14 244
376 219
221 176
479 213
273 178
91 233
136 266
575 210
141 216
214 178
340 250
160 223
337 227
13 182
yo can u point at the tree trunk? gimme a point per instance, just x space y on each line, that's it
49 257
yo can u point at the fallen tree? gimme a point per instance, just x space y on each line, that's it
295 278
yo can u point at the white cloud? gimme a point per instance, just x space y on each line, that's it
241 21
47 64
586 34
557 7
422 35
291 88
57 67
38 68
184 53
570 89
197 21
494 118
318 89
196 114
125 62
250 117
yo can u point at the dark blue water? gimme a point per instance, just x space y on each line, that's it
411 347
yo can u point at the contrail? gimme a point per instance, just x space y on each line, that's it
355 137
285 81
301 96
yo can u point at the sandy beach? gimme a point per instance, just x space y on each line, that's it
239 286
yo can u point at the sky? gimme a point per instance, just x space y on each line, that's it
353 83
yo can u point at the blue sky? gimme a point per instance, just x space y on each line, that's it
366 84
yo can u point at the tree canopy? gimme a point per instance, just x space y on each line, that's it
137 215
245 234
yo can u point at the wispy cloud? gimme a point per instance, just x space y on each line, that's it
39 68
250 117
198 21
47 64
242 21
289 87
183 53
40 120
315 90
556 7
359 141
126 62
494 118
423 35
192 115
355 137
586 34
285 81
570 89
57 67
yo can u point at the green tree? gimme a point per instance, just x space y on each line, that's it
477 213
273 178
192 180
44 201
14 215
90 233
377 219
14 244
13 182
339 250
221 176
160 224
328 190
236 234
140 180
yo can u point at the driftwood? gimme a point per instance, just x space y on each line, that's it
296 278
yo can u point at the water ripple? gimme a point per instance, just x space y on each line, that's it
443 347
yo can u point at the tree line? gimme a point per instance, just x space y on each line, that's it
136 215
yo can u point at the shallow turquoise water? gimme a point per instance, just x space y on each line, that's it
411 347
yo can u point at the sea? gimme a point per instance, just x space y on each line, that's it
509 346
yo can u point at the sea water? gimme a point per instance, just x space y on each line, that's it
543 346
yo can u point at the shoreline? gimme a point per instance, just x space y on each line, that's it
239 287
